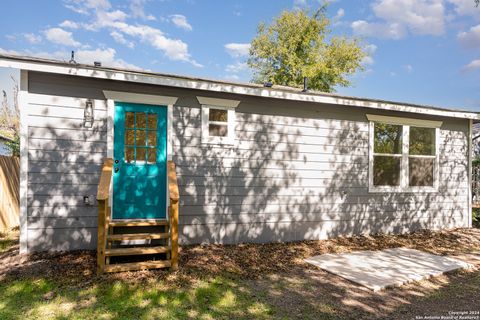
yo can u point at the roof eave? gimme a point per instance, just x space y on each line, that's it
210 85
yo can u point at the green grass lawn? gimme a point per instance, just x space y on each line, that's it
217 298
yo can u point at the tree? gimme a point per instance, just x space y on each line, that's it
477 2
298 45
10 120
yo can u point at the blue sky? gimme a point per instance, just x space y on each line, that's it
421 51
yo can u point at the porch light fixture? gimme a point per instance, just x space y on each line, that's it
88 114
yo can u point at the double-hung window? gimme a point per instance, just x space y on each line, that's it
218 120
403 154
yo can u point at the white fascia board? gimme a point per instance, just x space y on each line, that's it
163 80
122 96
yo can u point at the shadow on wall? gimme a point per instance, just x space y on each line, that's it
65 161
301 174
9 192
290 178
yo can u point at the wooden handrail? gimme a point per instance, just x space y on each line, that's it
103 193
105 178
174 196
172 182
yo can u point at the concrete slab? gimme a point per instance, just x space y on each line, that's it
377 270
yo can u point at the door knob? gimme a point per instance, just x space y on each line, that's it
116 169
116 161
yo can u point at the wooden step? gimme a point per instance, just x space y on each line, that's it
144 265
136 251
138 223
137 236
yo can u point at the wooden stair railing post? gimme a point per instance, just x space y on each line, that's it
173 213
103 213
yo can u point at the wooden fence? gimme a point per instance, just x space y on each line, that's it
9 192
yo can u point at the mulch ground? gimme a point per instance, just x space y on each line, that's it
247 261
277 274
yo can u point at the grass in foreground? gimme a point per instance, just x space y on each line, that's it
219 298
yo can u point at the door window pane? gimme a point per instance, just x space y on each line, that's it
141 154
420 171
152 138
218 115
152 155
152 121
141 138
388 138
422 141
129 154
386 171
129 137
129 119
217 130
141 120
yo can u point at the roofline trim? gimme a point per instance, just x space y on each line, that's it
204 85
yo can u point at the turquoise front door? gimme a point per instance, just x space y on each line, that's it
140 161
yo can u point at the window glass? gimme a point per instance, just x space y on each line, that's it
129 154
152 121
141 154
129 137
129 120
422 141
141 138
152 155
388 138
141 120
218 115
152 138
217 130
420 171
386 171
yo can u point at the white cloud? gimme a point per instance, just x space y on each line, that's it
82 6
119 38
408 68
340 14
32 38
181 22
115 21
62 37
471 38
237 50
236 67
369 50
137 7
174 49
398 17
69 24
464 7
473 65
378 30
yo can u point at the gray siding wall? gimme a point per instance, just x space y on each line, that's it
296 171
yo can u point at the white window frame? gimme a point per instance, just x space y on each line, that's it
220 104
406 123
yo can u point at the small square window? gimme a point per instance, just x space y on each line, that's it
218 125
